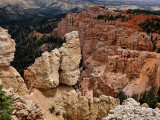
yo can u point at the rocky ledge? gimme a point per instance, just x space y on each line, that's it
131 110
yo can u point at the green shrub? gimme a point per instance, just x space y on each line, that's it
149 97
52 109
57 113
64 115
5 105
121 96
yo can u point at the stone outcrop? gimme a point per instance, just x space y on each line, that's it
158 105
7 48
70 59
58 66
116 55
44 72
145 105
9 76
24 109
130 109
65 101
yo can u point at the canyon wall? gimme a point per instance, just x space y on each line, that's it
116 55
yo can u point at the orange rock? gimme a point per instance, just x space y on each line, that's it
145 105
158 105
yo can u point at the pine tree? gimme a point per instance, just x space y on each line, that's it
121 96
5 105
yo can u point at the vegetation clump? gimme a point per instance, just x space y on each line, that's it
57 113
110 17
148 97
5 105
52 109
150 25
139 11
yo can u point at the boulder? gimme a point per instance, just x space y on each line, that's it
145 105
158 105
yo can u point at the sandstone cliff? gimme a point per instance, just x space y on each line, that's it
9 76
116 55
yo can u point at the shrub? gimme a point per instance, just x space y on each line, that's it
5 105
64 115
57 113
121 96
149 97
52 109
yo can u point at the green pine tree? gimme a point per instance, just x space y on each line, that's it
5 105
121 96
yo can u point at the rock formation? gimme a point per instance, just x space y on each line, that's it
59 66
45 70
9 76
50 79
24 109
7 48
70 59
116 56
130 109
65 101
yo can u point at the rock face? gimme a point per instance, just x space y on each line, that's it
65 101
70 59
25 109
130 109
9 76
7 48
59 66
45 70
116 56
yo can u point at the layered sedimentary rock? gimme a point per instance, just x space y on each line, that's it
70 59
130 109
9 76
64 101
7 48
25 109
113 68
58 66
44 72
116 55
